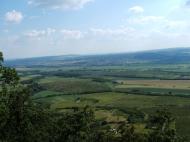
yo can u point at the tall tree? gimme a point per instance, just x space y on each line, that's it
162 126
20 119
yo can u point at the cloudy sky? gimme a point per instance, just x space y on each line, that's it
30 28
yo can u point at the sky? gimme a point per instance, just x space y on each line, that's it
33 28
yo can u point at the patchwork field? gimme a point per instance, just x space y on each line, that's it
116 94
107 104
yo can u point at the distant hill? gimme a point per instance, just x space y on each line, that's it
163 56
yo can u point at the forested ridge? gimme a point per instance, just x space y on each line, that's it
23 120
159 57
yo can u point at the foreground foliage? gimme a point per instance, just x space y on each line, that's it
22 120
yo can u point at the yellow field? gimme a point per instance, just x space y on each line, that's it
170 84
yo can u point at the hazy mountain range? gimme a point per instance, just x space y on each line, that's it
163 56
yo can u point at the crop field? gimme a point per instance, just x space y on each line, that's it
169 84
73 85
155 87
116 94
119 100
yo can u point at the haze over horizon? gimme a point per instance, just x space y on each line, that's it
33 28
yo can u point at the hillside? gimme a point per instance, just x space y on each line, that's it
164 56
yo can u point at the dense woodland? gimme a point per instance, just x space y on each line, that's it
24 120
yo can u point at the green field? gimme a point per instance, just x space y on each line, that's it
116 93
73 85
122 103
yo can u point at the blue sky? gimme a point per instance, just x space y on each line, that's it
31 28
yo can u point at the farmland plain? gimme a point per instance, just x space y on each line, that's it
118 87
113 94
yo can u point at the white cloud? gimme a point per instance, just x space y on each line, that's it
115 34
146 19
164 24
50 31
65 33
176 25
59 4
39 34
13 16
36 33
93 41
136 9
72 34
30 2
